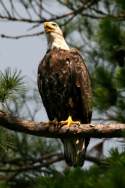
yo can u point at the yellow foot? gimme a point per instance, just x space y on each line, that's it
69 122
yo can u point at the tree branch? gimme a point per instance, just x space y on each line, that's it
22 36
40 163
56 129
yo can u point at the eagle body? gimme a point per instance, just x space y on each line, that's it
65 89
64 86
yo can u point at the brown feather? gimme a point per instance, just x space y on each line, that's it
64 85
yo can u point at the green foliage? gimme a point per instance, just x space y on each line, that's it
110 174
20 150
3 185
120 77
105 93
12 87
120 4
11 84
110 39
6 141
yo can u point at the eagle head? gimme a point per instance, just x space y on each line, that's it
52 27
55 36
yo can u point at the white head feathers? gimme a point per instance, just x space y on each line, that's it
55 36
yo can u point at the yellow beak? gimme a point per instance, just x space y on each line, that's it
48 27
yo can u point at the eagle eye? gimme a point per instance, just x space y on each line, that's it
54 24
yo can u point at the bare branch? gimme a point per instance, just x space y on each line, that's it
20 19
71 13
56 129
39 164
5 8
29 167
26 8
22 36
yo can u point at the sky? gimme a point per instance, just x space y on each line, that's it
23 54
26 53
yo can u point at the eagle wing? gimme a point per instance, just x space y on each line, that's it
83 82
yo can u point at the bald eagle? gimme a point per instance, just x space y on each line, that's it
65 89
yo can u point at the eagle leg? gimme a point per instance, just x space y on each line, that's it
69 122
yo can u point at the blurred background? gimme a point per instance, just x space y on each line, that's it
97 29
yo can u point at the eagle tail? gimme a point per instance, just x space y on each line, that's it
74 151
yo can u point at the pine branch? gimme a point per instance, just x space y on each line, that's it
39 163
57 130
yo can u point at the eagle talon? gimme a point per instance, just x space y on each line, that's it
69 122
91 125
